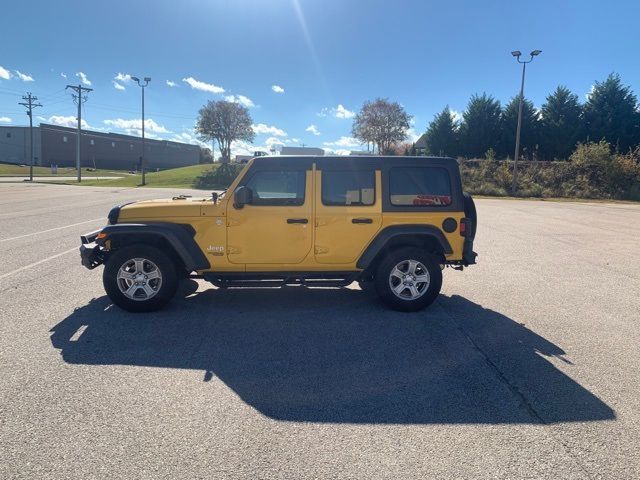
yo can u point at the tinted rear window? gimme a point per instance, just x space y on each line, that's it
348 188
419 186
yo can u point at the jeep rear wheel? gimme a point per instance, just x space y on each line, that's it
140 278
408 279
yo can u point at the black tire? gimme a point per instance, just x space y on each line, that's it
471 213
165 290
431 289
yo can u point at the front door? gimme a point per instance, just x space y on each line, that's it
277 227
348 213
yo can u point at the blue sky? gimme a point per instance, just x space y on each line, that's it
327 57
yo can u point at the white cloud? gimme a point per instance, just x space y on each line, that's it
5 120
83 78
277 88
23 76
343 142
202 86
69 121
122 77
412 135
171 84
241 99
189 137
587 95
312 129
456 115
341 112
134 126
63 75
4 73
271 141
263 129
295 140
118 86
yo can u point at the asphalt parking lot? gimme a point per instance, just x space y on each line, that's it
526 367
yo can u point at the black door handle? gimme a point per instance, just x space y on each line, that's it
362 220
297 220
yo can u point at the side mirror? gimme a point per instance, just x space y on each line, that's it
242 196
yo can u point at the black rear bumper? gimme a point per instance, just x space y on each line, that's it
468 255
90 252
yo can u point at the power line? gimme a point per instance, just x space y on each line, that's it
30 105
79 97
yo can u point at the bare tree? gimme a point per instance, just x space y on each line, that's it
224 122
382 123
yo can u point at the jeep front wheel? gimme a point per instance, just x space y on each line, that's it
140 278
408 279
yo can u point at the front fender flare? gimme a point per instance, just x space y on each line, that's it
180 237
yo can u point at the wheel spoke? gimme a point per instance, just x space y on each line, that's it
414 291
131 291
139 265
397 273
422 278
153 274
126 275
412 267
148 290
401 287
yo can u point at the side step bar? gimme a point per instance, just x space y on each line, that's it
275 280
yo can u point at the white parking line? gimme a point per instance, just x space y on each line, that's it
50 230
74 249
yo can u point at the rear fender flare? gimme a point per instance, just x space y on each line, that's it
386 236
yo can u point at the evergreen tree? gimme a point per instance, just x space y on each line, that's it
529 130
442 134
611 114
481 126
560 125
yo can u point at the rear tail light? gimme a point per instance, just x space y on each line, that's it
465 227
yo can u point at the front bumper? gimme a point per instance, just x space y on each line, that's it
90 252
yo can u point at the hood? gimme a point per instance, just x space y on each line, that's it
164 208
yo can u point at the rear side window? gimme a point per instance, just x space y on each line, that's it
419 187
348 188
278 187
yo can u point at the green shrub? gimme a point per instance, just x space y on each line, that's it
220 176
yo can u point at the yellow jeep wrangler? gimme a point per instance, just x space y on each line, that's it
392 223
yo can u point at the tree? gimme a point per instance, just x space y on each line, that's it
442 134
560 124
382 123
224 122
481 126
528 132
205 155
611 114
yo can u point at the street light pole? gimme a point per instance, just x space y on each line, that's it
146 81
517 54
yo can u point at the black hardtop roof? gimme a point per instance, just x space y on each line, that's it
352 161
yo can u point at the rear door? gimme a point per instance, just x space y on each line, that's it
348 212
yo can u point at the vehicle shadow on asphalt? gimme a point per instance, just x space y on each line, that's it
337 355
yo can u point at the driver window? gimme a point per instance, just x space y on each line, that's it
278 187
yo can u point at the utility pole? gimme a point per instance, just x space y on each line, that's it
29 99
79 98
517 54
142 84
